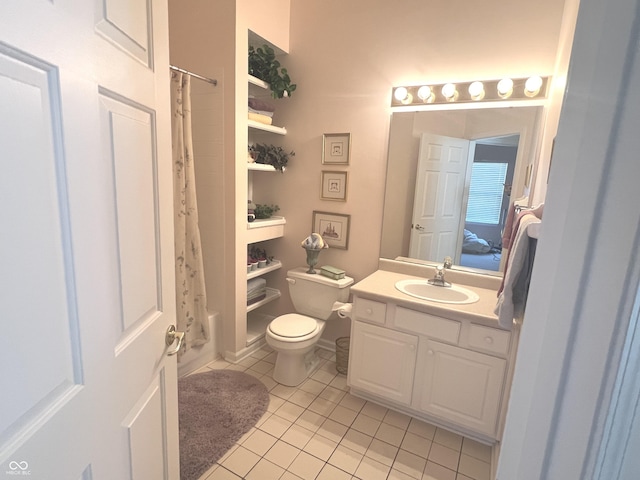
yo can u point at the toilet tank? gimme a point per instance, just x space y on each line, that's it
314 294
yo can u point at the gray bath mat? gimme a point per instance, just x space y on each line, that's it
216 409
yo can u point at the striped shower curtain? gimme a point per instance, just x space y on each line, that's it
191 298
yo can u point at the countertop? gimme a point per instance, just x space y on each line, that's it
380 286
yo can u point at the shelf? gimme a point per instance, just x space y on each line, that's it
260 230
266 222
274 265
272 294
260 83
261 167
257 324
266 128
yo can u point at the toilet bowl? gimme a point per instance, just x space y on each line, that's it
296 357
293 336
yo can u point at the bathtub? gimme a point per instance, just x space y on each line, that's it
197 357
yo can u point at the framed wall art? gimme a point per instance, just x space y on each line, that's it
336 148
334 186
333 227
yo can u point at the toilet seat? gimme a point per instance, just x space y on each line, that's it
293 325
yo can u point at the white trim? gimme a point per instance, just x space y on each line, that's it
579 302
623 410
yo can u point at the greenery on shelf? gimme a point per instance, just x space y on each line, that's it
263 64
265 211
270 155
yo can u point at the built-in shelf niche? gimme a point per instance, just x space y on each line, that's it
274 265
261 230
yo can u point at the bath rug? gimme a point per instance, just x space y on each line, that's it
215 409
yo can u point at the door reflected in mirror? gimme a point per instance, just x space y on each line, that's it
451 176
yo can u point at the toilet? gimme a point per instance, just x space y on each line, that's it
294 335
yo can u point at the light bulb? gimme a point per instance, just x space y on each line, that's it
401 94
425 94
476 91
532 86
449 91
505 88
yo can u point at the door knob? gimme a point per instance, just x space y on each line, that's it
171 336
419 227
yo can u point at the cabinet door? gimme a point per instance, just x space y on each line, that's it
382 362
460 385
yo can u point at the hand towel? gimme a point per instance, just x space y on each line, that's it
508 227
537 212
517 276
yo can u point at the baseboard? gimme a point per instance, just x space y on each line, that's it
235 357
327 344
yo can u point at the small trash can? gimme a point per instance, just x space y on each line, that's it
342 354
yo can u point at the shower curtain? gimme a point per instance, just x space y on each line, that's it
191 298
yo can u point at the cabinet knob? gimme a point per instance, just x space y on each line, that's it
369 311
488 340
429 352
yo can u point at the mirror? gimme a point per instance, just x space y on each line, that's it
500 143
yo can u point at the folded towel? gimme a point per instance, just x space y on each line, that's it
314 241
512 298
256 284
256 117
258 104
261 112
256 299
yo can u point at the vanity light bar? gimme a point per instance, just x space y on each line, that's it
527 88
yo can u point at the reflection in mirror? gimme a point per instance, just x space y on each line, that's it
451 176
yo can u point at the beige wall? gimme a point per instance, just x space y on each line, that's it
345 57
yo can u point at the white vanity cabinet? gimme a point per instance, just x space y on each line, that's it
459 385
452 373
386 362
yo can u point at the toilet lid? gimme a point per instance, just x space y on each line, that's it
293 325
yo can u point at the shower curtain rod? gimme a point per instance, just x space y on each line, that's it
213 81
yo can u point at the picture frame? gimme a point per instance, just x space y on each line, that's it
336 148
333 227
333 186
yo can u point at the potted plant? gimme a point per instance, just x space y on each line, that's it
251 211
261 256
252 263
263 64
270 155
265 211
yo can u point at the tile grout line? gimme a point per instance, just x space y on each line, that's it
267 374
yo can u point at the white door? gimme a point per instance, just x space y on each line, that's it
86 249
438 211
382 362
460 385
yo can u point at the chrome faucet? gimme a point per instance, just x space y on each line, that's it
438 279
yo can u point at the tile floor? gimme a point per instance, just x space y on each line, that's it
319 431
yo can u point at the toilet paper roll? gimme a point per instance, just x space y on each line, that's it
342 309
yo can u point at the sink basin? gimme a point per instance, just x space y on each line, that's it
425 291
